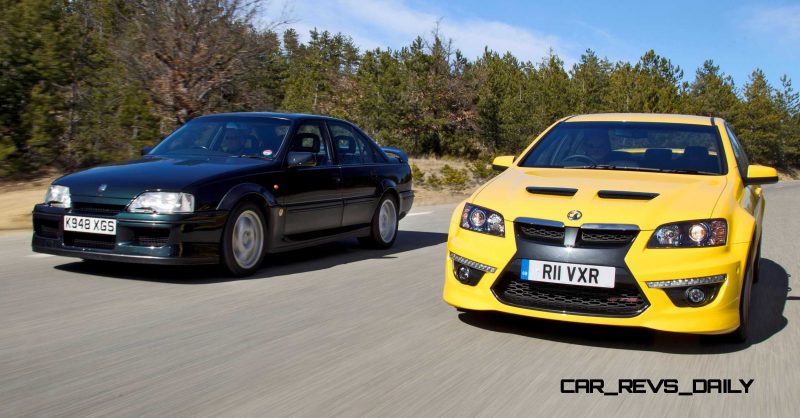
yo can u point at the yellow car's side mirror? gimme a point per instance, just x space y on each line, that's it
503 162
759 174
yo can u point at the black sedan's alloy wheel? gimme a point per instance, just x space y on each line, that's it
384 225
243 240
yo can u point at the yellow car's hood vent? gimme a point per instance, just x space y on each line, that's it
554 191
620 194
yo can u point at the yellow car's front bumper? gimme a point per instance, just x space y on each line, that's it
719 316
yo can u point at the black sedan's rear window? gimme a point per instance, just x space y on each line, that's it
641 146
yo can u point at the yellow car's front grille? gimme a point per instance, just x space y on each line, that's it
624 300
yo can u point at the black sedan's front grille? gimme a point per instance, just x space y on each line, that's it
150 237
80 208
624 300
46 228
95 241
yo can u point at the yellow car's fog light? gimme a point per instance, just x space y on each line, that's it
695 295
467 271
693 292
661 284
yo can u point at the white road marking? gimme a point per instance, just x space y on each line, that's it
419 213
39 255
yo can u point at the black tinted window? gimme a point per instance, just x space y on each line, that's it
630 145
232 136
309 138
351 147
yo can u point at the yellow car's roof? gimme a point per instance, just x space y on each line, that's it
641 117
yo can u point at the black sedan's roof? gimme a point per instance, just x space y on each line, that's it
288 116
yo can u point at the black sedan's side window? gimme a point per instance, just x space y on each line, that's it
351 147
308 138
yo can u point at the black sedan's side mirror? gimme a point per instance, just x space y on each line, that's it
301 159
146 150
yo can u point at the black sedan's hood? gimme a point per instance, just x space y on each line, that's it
172 173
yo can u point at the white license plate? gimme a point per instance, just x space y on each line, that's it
90 225
568 273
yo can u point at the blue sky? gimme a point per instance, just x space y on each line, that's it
739 36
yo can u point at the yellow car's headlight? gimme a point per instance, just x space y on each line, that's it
689 234
480 219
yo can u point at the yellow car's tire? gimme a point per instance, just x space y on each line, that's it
757 264
741 333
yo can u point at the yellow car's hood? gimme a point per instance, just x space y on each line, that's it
680 196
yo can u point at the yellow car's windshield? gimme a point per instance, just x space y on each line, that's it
641 146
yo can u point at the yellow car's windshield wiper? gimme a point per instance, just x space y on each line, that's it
614 167
648 169
681 171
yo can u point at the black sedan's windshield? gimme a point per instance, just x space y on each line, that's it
227 136
639 146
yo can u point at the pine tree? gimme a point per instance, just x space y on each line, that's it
759 122
591 83
788 104
712 93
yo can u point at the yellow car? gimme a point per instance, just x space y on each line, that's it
644 220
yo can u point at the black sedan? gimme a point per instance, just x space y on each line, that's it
228 189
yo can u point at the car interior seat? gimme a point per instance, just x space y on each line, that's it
346 149
698 158
659 158
309 142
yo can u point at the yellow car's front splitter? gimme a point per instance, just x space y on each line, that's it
717 317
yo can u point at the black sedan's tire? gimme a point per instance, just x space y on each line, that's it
383 232
243 240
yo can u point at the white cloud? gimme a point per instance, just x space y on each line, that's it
781 23
394 23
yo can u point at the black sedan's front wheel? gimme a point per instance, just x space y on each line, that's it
384 225
243 240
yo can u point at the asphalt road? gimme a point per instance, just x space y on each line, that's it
340 331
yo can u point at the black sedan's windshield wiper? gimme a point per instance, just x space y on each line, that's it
260 157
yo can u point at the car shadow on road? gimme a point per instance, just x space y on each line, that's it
769 298
298 261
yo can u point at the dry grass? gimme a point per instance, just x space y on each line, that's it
17 200
425 196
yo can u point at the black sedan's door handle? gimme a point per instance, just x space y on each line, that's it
337 179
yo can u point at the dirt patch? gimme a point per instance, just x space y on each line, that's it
790 174
16 206
427 195
17 199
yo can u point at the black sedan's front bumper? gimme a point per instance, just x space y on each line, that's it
140 238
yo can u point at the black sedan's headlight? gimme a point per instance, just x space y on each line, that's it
162 202
702 233
479 219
